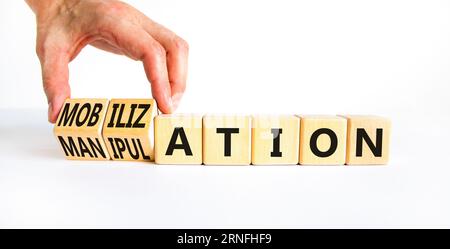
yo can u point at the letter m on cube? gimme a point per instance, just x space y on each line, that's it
78 129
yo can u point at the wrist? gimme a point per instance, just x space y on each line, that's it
39 5
42 8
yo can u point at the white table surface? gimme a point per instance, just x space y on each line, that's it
39 188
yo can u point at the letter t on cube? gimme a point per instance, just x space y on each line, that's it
226 140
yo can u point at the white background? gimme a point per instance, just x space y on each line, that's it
390 58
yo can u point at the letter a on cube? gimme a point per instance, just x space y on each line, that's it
128 129
275 140
178 139
322 140
368 140
226 140
79 129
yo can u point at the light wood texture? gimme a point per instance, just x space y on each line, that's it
275 140
78 129
322 140
178 139
218 131
128 129
368 139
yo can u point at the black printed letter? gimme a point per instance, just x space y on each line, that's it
333 142
178 131
276 143
361 135
227 133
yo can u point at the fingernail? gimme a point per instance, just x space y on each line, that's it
50 111
176 98
169 104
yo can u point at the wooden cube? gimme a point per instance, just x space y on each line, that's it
368 140
322 140
128 129
178 139
275 140
79 129
226 140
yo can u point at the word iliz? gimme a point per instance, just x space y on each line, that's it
130 129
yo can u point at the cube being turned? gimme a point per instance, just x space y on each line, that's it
275 140
128 129
226 140
178 139
322 140
367 140
79 129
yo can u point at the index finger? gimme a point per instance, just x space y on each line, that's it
139 45
177 57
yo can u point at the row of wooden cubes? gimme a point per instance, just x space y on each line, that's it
123 129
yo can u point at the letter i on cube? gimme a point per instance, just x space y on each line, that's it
275 140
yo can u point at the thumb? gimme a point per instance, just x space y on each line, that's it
55 77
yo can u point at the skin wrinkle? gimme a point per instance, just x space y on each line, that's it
107 46
106 34
79 45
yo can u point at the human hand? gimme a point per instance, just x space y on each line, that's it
65 27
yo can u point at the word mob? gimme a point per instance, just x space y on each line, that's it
130 129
